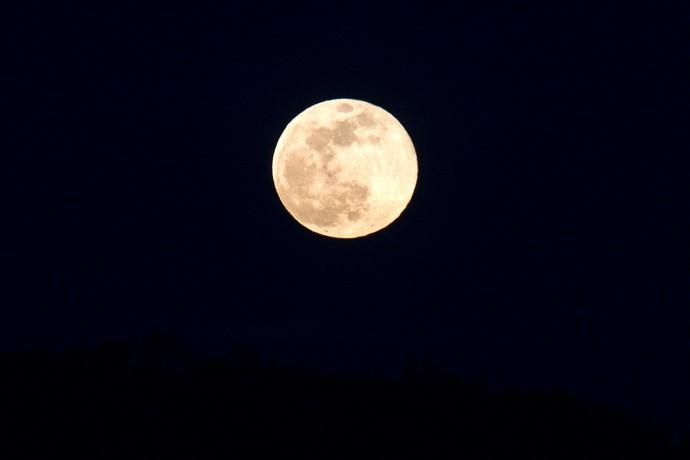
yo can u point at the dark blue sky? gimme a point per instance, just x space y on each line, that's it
545 246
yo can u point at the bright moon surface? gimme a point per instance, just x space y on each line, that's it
345 168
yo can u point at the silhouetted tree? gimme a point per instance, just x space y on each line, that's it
102 403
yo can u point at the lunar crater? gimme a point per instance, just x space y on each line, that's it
366 119
319 138
344 133
344 107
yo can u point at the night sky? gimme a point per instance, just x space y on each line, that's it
545 246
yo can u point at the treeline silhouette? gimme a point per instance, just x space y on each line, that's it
157 401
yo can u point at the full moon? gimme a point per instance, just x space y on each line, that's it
345 168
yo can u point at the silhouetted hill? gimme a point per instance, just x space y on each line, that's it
159 402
